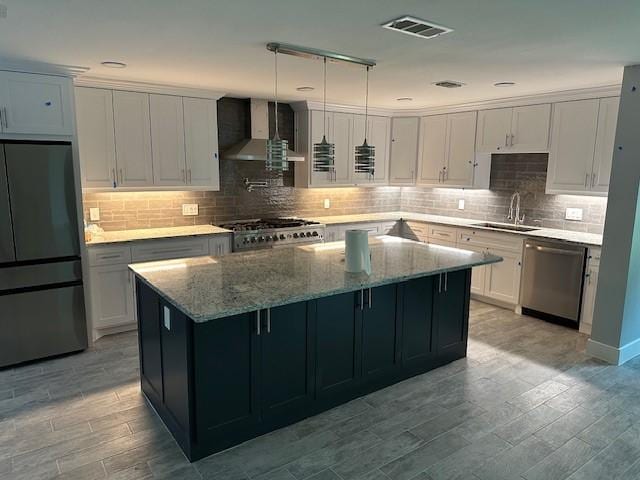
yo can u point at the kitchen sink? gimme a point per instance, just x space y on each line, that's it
505 226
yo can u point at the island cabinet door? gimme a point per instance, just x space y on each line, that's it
451 314
149 344
286 363
338 348
416 310
226 362
380 339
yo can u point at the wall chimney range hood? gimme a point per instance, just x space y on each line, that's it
255 148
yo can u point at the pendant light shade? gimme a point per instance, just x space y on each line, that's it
324 152
277 147
365 154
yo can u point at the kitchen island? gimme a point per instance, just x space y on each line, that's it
233 347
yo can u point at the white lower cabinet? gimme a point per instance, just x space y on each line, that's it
502 279
111 296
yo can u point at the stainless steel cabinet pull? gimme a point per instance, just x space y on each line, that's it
369 298
439 283
258 322
593 180
555 250
5 117
171 250
113 175
189 172
512 137
107 257
121 176
446 280
184 176
361 299
445 175
1 118
586 180
268 320
506 139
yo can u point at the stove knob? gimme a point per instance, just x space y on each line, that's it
253 239
315 234
308 234
275 238
282 237
267 238
261 239
295 235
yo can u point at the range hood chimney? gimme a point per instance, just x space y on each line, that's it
255 148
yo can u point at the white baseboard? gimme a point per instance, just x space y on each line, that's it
101 332
613 355
585 328
497 303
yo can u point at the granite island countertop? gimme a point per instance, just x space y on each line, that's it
581 238
206 288
120 236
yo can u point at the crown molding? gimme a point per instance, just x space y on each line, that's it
28 66
134 86
548 97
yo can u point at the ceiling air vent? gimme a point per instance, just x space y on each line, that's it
416 27
448 84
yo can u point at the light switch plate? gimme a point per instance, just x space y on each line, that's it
166 315
461 204
573 214
94 214
327 203
189 209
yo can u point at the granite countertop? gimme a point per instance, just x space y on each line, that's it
582 238
206 288
119 236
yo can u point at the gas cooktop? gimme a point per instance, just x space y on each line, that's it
266 223
273 232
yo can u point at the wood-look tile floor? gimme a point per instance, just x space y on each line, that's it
525 403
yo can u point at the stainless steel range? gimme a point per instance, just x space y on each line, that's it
273 232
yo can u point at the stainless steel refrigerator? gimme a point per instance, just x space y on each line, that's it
42 309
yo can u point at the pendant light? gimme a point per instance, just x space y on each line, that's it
365 153
324 152
276 147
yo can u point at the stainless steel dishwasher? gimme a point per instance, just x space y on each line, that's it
552 280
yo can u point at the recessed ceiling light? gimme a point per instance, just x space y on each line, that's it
504 84
404 99
113 64
416 27
305 89
448 84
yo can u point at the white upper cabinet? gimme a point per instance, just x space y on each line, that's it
319 129
461 142
344 153
447 153
433 133
167 140
573 139
519 129
605 139
404 150
133 139
141 141
378 134
35 104
96 143
201 142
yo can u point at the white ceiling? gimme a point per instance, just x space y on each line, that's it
543 45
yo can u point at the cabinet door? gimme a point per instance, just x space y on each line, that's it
605 139
494 127
96 142
502 280
417 322
342 128
478 274
175 333
357 138
338 347
167 140
150 343
133 139
36 104
573 138
589 299
451 311
530 128
111 296
226 365
404 150
318 130
286 364
433 132
379 134
220 245
461 145
201 142
380 341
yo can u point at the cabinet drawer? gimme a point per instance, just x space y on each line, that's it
109 255
438 232
167 249
482 238
416 231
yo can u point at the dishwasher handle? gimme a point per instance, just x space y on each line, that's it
559 251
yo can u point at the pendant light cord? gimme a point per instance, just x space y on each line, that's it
276 92
366 105
324 100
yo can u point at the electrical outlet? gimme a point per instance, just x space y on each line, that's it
189 209
94 214
461 204
573 214
327 203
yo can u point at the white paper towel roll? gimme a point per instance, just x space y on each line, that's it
356 252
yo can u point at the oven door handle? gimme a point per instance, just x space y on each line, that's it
559 251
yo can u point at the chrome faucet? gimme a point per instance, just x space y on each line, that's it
517 219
